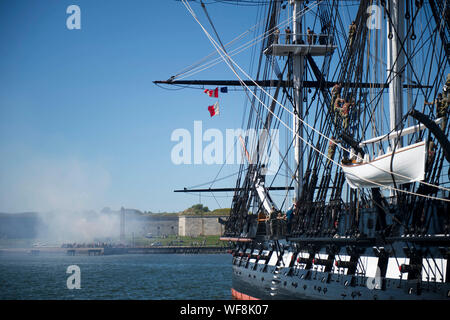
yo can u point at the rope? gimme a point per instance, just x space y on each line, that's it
222 53
294 114
213 181
241 48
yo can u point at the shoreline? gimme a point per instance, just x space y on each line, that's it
118 250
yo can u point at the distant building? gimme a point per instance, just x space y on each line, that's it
130 222
159 225
199 226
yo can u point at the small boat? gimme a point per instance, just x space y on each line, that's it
401 166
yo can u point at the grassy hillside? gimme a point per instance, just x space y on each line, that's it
199 209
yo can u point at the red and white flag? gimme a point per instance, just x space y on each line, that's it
212 93
214 109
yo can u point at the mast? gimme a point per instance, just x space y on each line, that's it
298 66
409 101
395 61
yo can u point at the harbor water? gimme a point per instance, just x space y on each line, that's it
132 276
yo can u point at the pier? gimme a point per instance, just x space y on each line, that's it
119 250
165 250
84 251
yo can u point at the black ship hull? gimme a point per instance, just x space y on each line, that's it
270 275
370 215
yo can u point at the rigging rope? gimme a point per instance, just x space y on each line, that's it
292 113
237 50
223 54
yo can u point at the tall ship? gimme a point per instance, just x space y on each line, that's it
362 96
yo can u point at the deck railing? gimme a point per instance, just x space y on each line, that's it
303 38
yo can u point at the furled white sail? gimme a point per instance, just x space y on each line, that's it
408 165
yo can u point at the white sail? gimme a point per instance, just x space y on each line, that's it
408 165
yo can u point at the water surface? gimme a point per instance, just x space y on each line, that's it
140 276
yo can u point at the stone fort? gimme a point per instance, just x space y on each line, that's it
182 225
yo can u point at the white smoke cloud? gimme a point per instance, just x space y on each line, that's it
76 226
64 192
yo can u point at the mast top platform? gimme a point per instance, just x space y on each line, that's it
299 49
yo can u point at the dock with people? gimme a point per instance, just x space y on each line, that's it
113 250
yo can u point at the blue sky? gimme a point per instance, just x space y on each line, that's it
82 126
